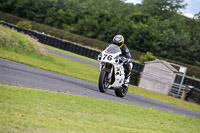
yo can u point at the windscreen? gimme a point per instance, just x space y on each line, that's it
112 49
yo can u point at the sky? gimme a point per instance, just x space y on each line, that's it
193 7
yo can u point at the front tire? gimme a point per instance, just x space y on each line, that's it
103 82
121 92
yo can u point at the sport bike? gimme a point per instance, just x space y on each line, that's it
112 71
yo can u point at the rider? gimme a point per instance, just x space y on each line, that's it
119 41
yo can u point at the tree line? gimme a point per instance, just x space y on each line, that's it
155 26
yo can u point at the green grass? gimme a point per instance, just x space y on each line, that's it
11 40
31 110
69 53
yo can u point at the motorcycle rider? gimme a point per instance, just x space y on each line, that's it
119 41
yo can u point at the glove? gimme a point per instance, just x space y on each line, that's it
129 60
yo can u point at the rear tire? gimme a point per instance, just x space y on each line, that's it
103 82
121 92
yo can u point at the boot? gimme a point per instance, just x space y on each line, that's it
127 78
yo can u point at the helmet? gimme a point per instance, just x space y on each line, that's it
118 40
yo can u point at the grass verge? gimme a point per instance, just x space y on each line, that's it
31 110
163 98
69 53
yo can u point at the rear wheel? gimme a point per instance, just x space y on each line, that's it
121 92
103 81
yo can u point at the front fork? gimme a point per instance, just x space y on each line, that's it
110 74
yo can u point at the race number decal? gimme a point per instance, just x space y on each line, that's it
105 55
109 57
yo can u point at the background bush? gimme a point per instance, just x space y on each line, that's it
25 24
147 57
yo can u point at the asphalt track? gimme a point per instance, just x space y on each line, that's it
13 73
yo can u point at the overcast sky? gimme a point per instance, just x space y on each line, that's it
193 6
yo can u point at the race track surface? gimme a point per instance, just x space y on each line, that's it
13 73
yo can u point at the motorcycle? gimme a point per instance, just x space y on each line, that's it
112 71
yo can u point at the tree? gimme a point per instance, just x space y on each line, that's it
162 8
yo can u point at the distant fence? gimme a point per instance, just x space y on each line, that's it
188 81
193 95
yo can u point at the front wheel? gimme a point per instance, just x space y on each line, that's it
121 92
103 81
